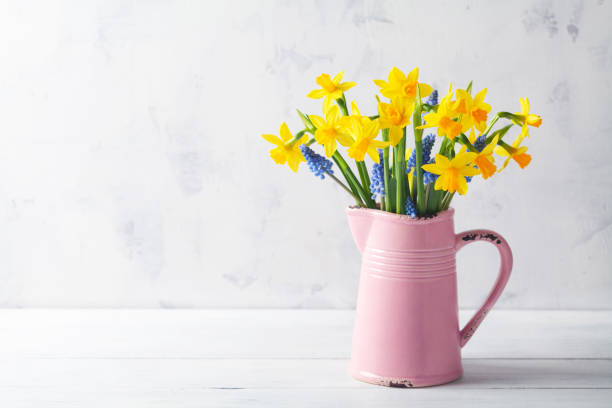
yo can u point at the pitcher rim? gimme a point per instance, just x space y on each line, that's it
404 219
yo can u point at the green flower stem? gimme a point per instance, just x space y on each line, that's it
506 146
499 132
418 145
365 182
297 137
352 180
491 123
407 186
352 191
387 176
466 142
433 199
427 188
364 188
342 104
429 108
436 203
351 184
448 201
354 195
399 164
445 147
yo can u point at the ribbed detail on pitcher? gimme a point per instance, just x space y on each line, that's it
409 264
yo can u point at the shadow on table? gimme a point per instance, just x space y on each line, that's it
527 373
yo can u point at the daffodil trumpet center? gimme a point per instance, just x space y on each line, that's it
487 168
479 115
326 83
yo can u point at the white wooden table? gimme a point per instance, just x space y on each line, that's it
286 358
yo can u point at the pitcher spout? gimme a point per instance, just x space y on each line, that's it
360 223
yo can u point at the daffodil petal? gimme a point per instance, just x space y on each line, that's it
317 121
381 83
273 139
461 185
346 86
396 75
442 161
425 90
395 135
413 75
500 151
327 103
440 181
344 139
463 159
285 134
316 94
432 168
373 153
336 79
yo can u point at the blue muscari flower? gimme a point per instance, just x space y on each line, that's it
318 164
433 98
480 143
428 143
377 184
410 208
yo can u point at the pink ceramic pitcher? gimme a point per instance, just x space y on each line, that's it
407 325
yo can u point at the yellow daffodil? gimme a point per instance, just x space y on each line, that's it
286 152
485 160
331 89
526 118
345 121
453 172
444 119
330 130
403 86
463 103
355 113
516 152
473 111
480 111
394 116
364 133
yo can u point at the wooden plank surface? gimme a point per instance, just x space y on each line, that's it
279 333
293 358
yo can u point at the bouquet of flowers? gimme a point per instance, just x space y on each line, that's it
405 181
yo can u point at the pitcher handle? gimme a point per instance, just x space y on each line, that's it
467 237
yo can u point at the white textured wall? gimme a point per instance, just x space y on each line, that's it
132 172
